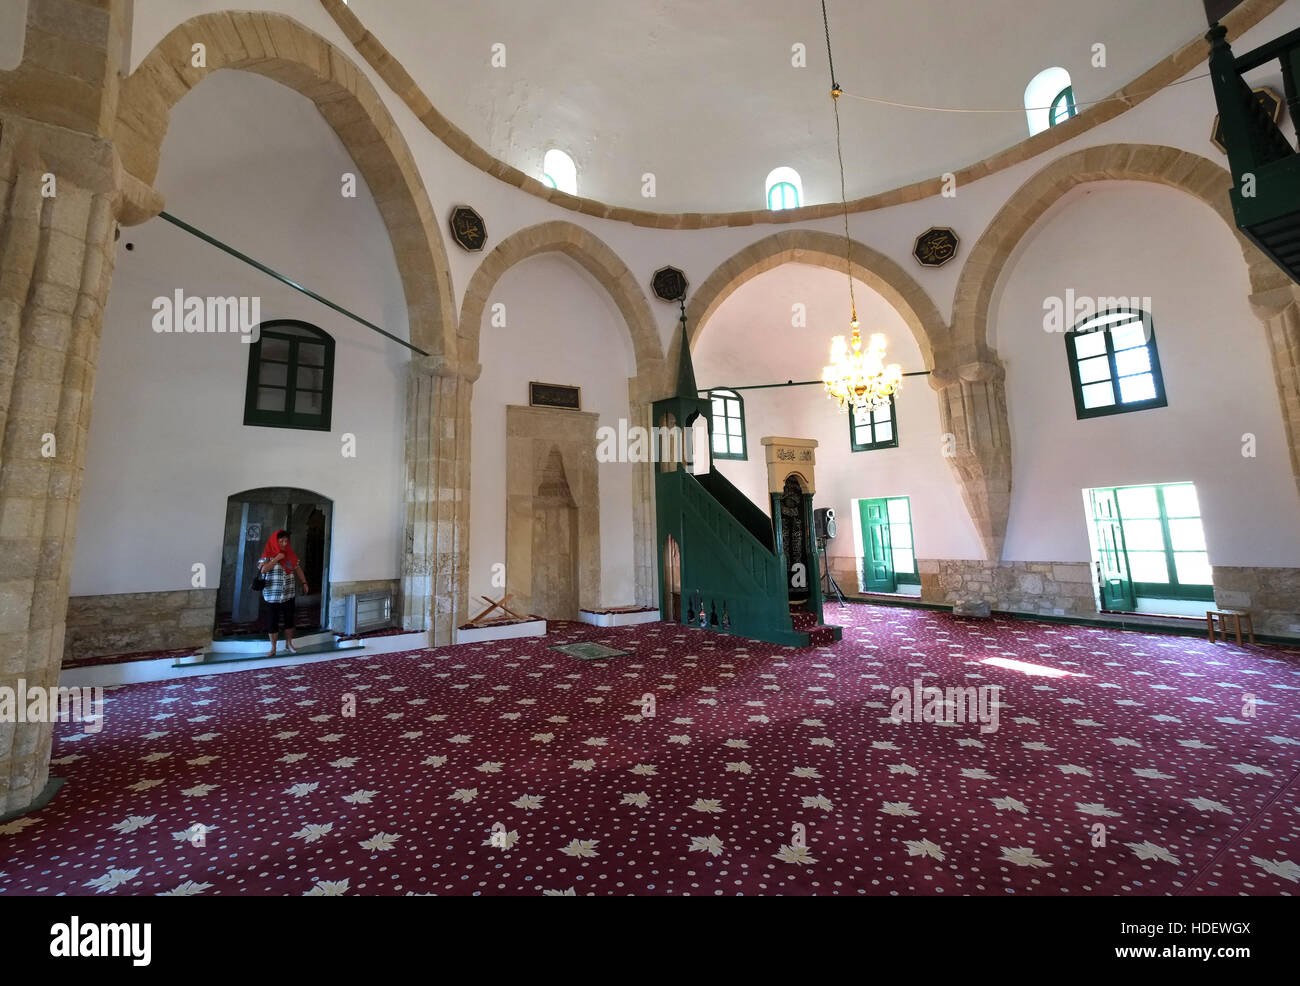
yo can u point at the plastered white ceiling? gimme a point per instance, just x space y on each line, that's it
704 96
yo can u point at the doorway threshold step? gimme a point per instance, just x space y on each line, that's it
309 650
260 644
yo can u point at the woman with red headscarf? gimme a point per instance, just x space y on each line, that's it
279 564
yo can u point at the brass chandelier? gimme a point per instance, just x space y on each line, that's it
857 379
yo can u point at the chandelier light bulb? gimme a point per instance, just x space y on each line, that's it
861 378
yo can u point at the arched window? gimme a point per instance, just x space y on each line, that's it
290 377
1114 366
1049 99
559 171
1062 106
728 424
784 189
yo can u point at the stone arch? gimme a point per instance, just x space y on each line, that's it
594 256
971 381
589 252
806 246
280 48
1171 166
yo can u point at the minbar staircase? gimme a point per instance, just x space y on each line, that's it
1264 163
819 634
728 552
730 558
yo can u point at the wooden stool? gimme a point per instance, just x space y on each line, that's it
1224 615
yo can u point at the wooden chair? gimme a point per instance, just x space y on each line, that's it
1236 616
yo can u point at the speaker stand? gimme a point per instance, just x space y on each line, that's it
829 584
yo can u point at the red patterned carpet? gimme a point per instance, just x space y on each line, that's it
762 770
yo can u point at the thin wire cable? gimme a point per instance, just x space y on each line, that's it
1020 109
827 25
839 151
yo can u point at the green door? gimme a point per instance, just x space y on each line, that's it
878 560
1116 583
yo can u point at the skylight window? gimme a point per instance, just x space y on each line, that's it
784 189
559 171
1049 99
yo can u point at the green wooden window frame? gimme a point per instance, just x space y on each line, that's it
901 531
881 431
548 181
1106 349
1064 100
1174 541
783 195
296 358
727 435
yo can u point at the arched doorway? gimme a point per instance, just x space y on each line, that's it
251 517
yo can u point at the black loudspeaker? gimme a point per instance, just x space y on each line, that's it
824 522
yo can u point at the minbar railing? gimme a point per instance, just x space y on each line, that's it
1263 160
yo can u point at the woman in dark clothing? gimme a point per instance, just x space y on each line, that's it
279 565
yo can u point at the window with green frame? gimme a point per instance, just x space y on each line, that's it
1114 364
873 429
900 540
290 377
728 424
1062 107
783 195
1164 541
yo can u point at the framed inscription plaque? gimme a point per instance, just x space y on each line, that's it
554 395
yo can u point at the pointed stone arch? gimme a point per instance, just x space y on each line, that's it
972 403
819 249
1274 297
1171 166
281 49
589 252
597 259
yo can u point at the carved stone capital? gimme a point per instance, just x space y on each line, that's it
975 371
1267 304
443 366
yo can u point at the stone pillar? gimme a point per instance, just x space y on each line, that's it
977 443
60 184
1279 310
645 568
435 567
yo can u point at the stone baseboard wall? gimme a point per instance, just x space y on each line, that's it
1041 588
131 622
847 572
339 591
1272 595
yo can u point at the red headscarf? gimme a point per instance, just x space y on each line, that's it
290 560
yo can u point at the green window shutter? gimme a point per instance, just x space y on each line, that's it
875 429
290 377
727 440
1114 364
1151 544
903 549
877 547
